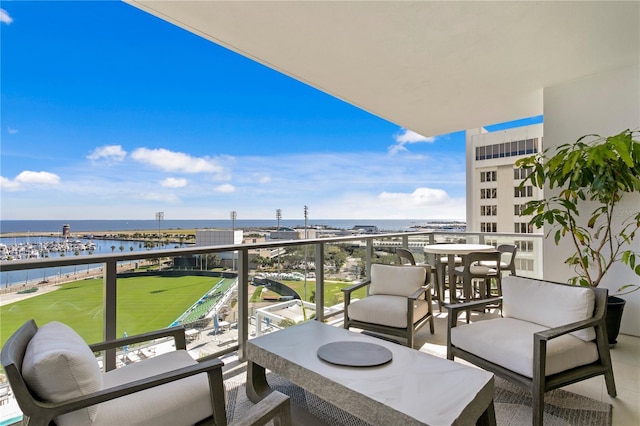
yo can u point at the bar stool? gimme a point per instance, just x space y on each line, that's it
472 270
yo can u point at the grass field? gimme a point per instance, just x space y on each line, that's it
332 290
144 304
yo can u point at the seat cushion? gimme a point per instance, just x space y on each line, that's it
492 264
509 342
445 259
477 270
58 365
396 280
547 303
183 402
390 311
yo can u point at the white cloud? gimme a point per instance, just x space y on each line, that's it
12 131
4 17
225 188
174 182
108 152
29 178
9 185
171 161
265 179
44 178
419 197
405 137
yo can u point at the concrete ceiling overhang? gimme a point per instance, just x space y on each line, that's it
430 66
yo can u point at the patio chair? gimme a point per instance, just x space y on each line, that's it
405 257
55 378
549 335
398 304
507 259
472 271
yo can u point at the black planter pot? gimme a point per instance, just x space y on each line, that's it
615 306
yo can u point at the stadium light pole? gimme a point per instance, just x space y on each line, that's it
234 216
159 218
306 216
278 217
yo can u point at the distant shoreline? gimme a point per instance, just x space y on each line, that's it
95 234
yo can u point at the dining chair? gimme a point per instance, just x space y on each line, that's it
507 259
442 274
472 271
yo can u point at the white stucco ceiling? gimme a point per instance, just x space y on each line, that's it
432 67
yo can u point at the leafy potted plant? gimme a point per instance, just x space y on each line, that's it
592 173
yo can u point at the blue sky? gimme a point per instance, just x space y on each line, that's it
110 113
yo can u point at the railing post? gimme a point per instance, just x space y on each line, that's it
405 241
110 301
319 282
243 302
368 260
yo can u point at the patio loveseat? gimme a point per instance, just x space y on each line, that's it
549 335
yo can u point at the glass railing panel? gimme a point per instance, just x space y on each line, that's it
74 300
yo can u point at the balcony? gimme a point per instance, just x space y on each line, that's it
246 318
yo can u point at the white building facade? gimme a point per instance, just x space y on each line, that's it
219 237
494 197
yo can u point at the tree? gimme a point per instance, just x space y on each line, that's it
594 172
113 248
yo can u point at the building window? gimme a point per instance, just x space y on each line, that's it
518 208
486 193
524 264
488 210
488 176
527 191
488 227
524 245
507 149
521 173
522 228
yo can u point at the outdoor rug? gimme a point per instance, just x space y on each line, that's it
512 404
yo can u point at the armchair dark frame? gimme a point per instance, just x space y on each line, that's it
408 332
540 383
38 412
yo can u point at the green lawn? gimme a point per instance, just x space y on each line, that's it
144 304
332 290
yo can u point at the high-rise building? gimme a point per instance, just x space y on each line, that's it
494 197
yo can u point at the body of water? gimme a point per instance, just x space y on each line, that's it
80 228
37 246
83 226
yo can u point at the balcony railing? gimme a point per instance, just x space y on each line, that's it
529 254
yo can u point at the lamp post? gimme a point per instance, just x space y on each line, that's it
159 217
306 216
278 217
234 216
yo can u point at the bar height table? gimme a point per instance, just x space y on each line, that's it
451 251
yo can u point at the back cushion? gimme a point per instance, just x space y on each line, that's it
58 365
396 280
549 304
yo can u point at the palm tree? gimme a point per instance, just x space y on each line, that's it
113 248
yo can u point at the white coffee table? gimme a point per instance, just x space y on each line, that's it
413 389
